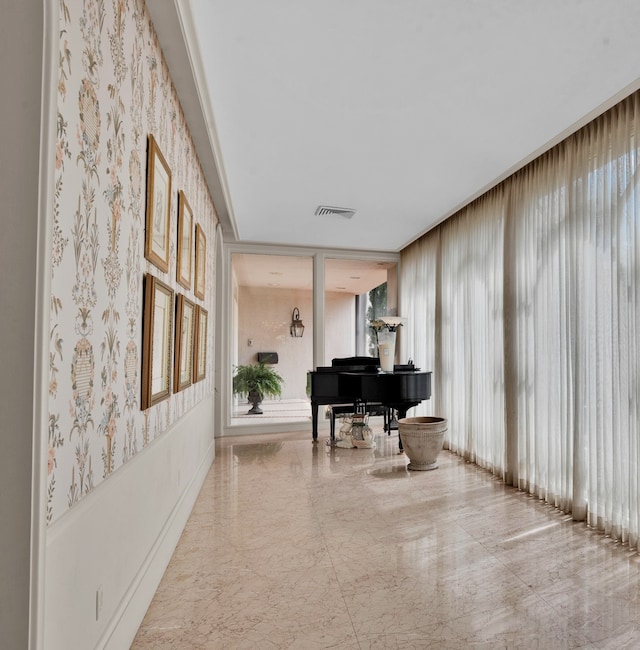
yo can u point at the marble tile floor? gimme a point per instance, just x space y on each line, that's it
302 546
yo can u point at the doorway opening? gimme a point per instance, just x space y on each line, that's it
269 292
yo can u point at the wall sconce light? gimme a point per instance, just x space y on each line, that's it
297 328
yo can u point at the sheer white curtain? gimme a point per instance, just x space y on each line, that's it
451 292
539 338
418 302
605 225
535 305
471 331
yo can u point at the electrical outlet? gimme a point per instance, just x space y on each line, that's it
99 602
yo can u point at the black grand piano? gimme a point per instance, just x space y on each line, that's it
359 380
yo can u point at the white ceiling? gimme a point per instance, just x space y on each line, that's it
404 110
296 272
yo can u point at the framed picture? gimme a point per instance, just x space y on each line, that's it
157 337
185 241
200 348
201 261
183 360
156 244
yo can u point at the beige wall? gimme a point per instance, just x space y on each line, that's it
21 418
340 326
264 317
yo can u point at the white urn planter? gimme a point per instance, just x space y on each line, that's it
422 439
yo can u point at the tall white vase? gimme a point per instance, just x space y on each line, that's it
386 350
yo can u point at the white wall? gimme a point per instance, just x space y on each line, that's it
121 536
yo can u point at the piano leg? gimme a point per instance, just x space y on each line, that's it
314 422
402 413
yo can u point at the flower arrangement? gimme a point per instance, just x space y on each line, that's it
385 329
386 323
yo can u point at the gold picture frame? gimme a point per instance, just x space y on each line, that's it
158 217
157 337
201 262
185 241
200 345
183 360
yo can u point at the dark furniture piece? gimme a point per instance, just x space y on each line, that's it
268 357
354 380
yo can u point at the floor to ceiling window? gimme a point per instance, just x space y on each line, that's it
532 296
355 292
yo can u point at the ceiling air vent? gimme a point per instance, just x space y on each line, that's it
331 211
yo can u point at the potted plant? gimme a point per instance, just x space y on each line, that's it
256 381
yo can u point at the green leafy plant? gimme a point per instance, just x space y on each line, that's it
257 377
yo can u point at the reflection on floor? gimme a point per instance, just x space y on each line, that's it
273 412
295 545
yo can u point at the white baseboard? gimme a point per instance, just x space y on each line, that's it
126 621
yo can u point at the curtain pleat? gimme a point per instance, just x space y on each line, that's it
526 305
418 298
470 377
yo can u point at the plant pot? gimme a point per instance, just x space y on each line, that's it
255 398
422 439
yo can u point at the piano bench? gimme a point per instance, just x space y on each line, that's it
374 408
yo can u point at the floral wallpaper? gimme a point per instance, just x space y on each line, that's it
114 90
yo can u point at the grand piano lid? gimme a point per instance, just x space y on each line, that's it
355 361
